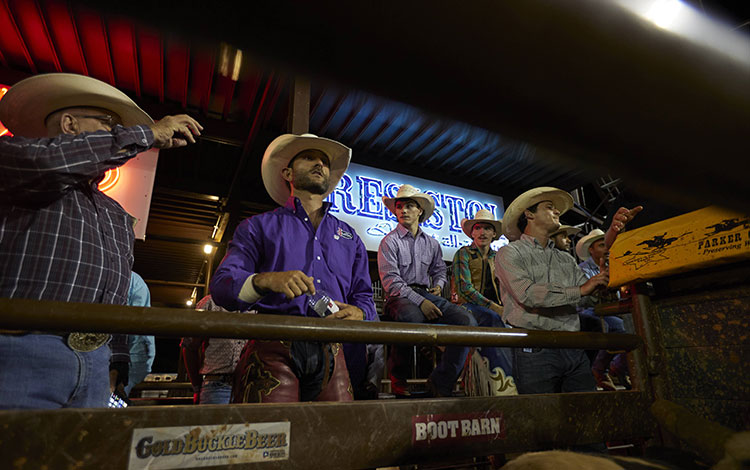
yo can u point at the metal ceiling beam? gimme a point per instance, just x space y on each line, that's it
299 106
602 87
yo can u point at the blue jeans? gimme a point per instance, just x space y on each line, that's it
496 357
142 353
216 392
602 360
42 372
538 370
452 363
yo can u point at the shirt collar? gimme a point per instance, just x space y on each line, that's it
403 231
535 243
490 253
294 205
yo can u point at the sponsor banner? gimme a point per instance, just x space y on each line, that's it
699 239
206 446
358 201
434 430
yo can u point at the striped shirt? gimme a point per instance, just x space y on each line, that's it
404 259
60 237
539 285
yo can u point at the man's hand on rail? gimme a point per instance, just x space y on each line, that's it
347 312
290 283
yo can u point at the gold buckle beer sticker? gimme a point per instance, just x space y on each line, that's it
181 447
86 342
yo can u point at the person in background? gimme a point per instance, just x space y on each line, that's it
561 237
476 290
592 249
142 347
413 274
210 362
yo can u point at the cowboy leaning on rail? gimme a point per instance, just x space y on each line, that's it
60 237
476 290
278 259
541 286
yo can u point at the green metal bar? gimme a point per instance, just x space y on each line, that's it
365 434
20 314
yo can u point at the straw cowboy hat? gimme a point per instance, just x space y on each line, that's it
582 247
567 230
407 191
562 200
485 216
285 147
28 103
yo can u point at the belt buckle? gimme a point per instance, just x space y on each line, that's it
86 342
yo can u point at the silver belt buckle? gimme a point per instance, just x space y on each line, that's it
87 342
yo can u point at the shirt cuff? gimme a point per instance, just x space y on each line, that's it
573 294
416 298
247 292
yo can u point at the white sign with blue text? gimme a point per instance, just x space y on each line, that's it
358 201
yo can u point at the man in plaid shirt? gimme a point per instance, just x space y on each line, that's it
60 237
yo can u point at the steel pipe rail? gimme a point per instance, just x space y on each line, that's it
614 308
20 314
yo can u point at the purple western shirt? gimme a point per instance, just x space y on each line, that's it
284 240
404 259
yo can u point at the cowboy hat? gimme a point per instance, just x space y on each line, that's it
484 216
285 147
28 103
582 247
562 200
407 191
566 229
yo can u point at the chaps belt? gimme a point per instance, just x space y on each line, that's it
79 342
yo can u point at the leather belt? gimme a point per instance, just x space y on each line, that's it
79 342
217 377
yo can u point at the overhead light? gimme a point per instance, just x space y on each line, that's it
208 248
189 303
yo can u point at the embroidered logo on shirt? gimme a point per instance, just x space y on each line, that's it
342 233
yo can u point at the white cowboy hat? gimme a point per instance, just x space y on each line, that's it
28 103
485 216
582 247
567 229
407 191
285 147
562 200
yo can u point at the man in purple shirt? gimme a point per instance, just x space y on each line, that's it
60 237
413 274
279 259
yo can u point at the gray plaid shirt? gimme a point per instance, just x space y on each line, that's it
540 286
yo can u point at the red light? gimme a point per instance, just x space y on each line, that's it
111 177
3 129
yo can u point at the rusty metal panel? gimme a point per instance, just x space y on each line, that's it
719 373
734 414
331 435
708 319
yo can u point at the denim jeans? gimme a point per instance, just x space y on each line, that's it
496 357
142 353
42 372
601 360
538 370
216 392
447 371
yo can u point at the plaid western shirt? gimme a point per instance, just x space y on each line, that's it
60 237
462 275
